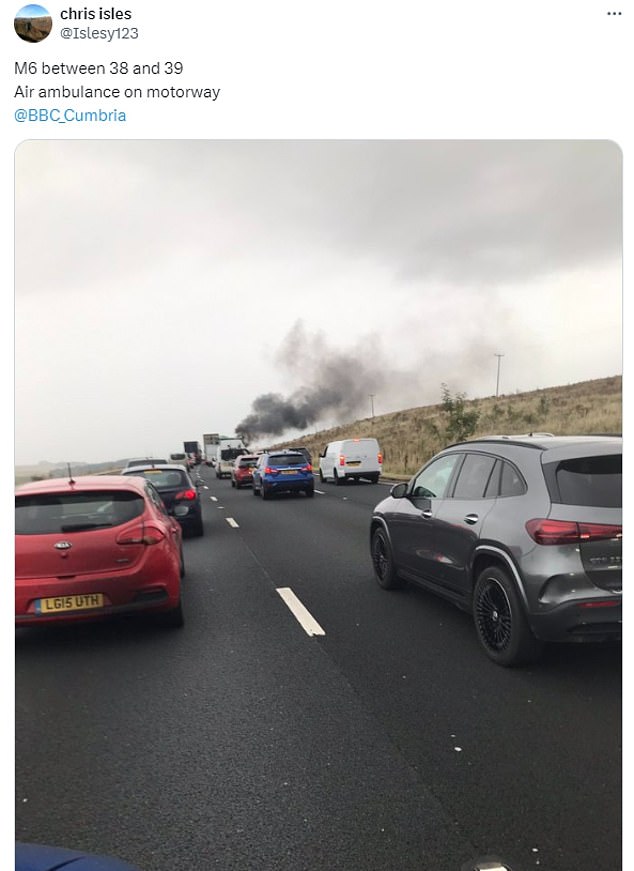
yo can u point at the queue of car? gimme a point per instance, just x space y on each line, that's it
523 532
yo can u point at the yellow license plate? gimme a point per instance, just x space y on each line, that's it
57 604
289 472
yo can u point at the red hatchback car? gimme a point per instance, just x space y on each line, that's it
242 472
95 546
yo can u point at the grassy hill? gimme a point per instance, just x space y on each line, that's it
409 438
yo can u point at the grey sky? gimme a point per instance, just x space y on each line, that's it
161 287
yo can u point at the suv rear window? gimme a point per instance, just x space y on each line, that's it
248 464
287 460
55 513
588 481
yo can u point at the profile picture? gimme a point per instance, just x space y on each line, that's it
33 23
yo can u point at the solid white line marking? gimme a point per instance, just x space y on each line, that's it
301 614
232 522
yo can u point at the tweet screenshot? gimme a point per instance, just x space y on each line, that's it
365 263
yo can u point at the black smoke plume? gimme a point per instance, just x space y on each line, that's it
343 384
340 385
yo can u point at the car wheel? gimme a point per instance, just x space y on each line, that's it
382 561
173 619
182 564
500 621
198 528
321 476
375 479
264 492
233 483
255 490
310 491
336 477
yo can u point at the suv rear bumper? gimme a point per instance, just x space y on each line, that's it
278 486
596 619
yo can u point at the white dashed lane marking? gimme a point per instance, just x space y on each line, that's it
301 613
232 522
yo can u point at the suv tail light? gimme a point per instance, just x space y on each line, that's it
342 460
308 467
142 534
186 494
545 531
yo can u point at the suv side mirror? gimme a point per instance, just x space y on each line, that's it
398 490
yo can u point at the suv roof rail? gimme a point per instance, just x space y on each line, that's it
527 435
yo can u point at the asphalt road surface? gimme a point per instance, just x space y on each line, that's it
243 742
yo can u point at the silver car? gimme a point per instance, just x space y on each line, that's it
524 532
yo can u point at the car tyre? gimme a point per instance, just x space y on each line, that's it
500 621
182 564
321 476
336 478
198 528
310 491
233 483
383 562
264 492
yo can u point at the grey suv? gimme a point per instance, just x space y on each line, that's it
524 532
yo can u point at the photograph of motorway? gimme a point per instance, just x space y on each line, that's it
372 659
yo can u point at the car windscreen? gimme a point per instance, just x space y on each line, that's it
165 479
589 481
55 513
287 460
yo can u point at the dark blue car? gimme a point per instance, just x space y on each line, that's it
37 857
283 471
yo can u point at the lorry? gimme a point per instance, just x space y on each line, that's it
192 449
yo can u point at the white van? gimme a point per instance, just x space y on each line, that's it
351 458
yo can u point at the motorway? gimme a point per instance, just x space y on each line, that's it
243 742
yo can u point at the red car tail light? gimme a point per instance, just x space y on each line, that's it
380 458
142 534
342 460
545 531
308 467
186 494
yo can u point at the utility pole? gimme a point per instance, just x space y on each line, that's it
497 383
372 395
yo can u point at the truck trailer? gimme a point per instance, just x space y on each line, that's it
192 449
